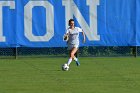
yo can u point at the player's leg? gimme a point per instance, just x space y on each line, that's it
76 58
76 54
72 52
70 59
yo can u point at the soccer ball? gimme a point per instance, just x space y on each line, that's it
65 67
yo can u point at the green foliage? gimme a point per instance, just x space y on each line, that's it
62 51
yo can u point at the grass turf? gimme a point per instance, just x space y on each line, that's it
94 75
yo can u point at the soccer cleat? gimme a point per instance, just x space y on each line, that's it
77 63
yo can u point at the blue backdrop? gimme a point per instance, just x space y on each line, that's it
42 23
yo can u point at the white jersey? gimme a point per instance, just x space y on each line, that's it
73 35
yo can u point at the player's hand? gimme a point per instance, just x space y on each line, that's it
65 37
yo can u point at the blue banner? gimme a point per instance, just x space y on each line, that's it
42 23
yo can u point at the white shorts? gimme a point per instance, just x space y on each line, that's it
70 47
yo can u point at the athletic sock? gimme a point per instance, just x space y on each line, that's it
75 59
69 61
77 62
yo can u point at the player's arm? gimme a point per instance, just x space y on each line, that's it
84 37
66 36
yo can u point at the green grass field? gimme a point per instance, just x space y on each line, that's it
94 75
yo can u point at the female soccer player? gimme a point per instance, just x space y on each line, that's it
73 41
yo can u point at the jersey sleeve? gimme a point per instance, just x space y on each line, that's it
79 29
67 31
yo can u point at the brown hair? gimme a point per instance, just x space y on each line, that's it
70 21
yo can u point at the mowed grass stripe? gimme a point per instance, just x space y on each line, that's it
94 75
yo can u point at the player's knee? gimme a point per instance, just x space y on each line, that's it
72 54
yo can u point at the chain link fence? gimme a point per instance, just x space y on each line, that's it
63 52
